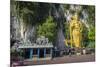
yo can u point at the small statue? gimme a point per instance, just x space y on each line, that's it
43 41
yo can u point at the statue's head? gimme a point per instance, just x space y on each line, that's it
75 17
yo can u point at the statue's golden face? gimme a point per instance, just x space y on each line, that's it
75 18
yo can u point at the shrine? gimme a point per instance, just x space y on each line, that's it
41 50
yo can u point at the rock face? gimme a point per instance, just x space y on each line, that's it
15 28
20 32
58 14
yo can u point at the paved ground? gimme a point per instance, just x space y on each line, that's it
64 59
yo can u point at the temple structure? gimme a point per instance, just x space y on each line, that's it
41 50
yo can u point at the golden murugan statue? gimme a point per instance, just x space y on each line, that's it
75 31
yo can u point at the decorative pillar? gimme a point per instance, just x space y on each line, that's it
44 54
51 52
38 52
31 53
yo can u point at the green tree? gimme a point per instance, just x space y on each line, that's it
47 29
91 34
